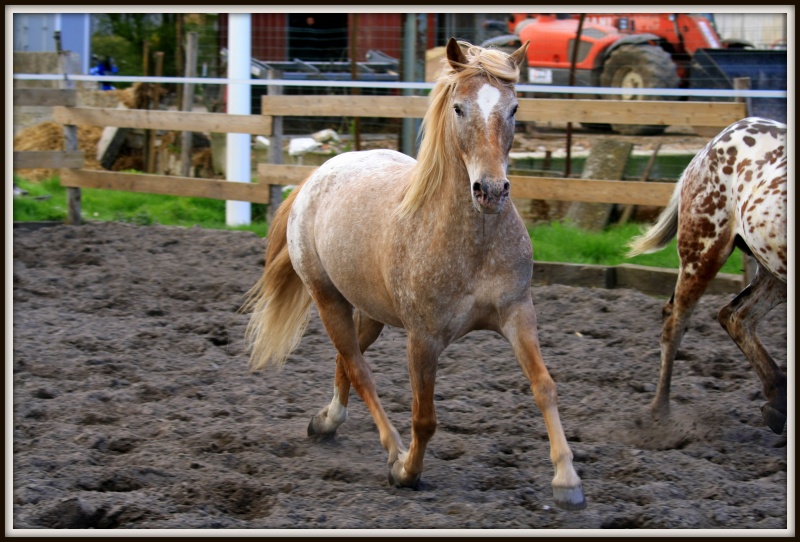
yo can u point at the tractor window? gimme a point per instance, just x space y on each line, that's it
595 33
583 49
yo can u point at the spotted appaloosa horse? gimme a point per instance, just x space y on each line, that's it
733 193
432 246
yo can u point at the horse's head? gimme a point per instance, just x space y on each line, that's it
469 127
482 106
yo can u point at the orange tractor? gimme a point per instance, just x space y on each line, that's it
642 50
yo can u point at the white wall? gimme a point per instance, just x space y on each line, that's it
760 29
34 32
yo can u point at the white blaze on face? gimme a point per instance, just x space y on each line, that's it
488 96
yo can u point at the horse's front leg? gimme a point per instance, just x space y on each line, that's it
423 356
520 329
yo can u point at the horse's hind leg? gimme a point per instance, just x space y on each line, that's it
675 315
337 317
678 311
740 318
521 331
333 415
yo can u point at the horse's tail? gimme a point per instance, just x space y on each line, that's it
661 232
279 300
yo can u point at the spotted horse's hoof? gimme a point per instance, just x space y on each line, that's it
774 418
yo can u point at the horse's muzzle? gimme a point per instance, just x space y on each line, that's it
490 196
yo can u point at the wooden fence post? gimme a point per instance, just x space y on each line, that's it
153 103
188 101
275 149
70 145
627 210
73 194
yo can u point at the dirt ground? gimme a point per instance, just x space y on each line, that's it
133 407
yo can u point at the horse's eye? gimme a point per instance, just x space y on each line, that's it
458 110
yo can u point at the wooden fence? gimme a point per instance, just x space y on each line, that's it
271 177
74 176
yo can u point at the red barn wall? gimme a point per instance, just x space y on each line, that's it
376 31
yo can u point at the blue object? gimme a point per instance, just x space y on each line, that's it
104 67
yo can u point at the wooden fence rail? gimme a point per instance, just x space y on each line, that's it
163 120
45 96
48 159
523 187
168 185
665 113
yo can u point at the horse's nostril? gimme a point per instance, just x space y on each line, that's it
506 186
476 186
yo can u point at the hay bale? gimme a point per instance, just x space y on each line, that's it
49 136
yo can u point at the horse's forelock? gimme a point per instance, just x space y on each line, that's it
493 63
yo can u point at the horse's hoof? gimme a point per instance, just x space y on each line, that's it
569 498
775 419
398 477
321 426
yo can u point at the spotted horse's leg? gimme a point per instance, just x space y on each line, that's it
740 318
334 414
696 271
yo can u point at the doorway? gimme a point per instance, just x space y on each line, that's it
317 37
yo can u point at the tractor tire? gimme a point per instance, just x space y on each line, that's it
639 66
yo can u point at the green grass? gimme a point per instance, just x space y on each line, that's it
554 242
559 242
131 207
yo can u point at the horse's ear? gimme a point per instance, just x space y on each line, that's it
455 56
518 56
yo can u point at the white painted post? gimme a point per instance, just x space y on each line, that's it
275 149
237 148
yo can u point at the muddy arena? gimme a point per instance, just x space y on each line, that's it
134 407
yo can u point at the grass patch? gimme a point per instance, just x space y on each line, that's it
131 207
558 242
554 242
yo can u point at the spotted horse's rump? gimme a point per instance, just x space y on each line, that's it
732 194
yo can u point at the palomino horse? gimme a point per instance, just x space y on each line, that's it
733 193
432 246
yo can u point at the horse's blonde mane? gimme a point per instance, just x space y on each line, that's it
435 158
